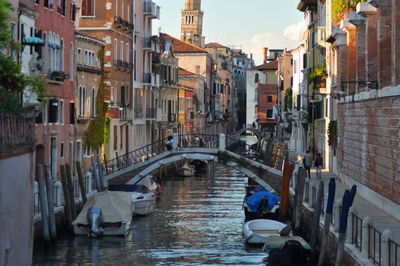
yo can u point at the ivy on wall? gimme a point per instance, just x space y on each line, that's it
340 9
97 132
332 133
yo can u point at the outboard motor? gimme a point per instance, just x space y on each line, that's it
95 218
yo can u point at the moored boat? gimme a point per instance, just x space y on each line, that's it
106 213
260 204
257 231
186 170
143 200
288 250
198 165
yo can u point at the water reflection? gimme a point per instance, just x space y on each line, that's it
198 221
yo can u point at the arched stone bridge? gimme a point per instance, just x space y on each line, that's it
132 167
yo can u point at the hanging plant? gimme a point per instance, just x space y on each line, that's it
341 8
97 133
288 99
332 133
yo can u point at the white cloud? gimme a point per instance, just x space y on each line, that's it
290 38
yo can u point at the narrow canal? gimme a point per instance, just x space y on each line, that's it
198 220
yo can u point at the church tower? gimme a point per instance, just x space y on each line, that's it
192 23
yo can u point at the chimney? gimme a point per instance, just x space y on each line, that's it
265 54
251 56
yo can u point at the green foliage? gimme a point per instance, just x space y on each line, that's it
98 131
340 9
332 133
288 99
13 83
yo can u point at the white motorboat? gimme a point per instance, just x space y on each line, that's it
186 170
143 199
143 203
106 213
257 231
150 183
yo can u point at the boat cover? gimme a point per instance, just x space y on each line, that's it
253 201
116 207
148 181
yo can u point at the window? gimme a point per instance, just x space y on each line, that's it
79 56
53 110
78 151
93 104
115 138
73 12
86 58
269 114
304 61
71 62
82 100
116 8
121 137
115 49
127 52
72 113
62 112
61 7
61 54
88 8
122 9
257 78
62 150
14 36
269 99
121 56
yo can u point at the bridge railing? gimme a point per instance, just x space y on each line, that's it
210 141
139 155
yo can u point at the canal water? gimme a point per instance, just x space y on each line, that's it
197 221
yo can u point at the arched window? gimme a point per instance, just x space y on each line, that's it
61 55
45 53
257 78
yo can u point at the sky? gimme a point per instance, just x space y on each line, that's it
246 24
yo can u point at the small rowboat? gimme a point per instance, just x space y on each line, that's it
257 231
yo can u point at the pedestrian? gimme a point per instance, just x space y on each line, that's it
318 164
170 143
307 161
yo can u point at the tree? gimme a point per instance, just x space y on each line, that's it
13 83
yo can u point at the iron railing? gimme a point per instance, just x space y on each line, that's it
139 155
198 140
356 235
374 245
16 130
394 250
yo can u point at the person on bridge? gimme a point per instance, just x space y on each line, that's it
318 164
170 143
307 161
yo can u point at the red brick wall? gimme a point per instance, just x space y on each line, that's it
369 144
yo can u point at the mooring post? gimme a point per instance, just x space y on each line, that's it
43 203
366 223
95 175
299 193
317 215
385 245
67 200
52 218
71 190
81 182
287 175
328 220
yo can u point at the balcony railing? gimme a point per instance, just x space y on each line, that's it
123 24
123 66
151 9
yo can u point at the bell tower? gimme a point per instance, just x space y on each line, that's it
192 23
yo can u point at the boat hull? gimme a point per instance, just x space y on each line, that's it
143 203
257 231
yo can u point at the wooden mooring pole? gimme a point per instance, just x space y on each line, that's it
317 216
43 203
299 192
81 182
287 175
71 191
50 200
67 200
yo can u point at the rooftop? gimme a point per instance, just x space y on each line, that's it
303 5
273 65
215 45
179 46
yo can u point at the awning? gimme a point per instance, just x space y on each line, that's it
33 41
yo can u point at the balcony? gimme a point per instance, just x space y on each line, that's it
150 44
123 66
138 113
123 114
123 24
151 10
